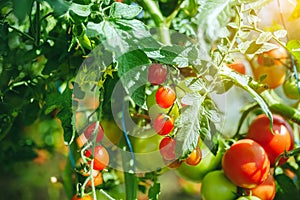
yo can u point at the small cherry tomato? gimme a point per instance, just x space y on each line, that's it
238 67
77 197
194 157
101 157
157 74
165 96
98 180
246 163
88 134
163 124
265 190
167 148
274 143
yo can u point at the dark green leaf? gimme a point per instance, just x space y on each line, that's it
60 7
63 102
253 48
22 8
154 191
124 11
286 189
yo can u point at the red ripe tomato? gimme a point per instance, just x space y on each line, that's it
101 157
165 96
265 190
88 134
77 197
163 124
157 74
167 148
246 163
238 67
274 143
276 56
194 157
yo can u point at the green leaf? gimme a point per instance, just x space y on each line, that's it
294 48
22 8
280 34
253 48
63 102
212 16
124 11
133 71
154 191
264 37
60 7
188 126
286 189
81 10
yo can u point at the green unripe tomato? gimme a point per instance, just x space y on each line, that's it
216 185
208 163
290 88
146 149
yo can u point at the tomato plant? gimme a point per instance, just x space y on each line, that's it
274 143
216 185
133 67
246 163
101 157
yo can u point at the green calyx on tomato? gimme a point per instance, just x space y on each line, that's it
216 185
208 163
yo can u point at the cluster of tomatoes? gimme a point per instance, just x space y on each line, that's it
163 111
245 170
97 155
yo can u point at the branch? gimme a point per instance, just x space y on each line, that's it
280 108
